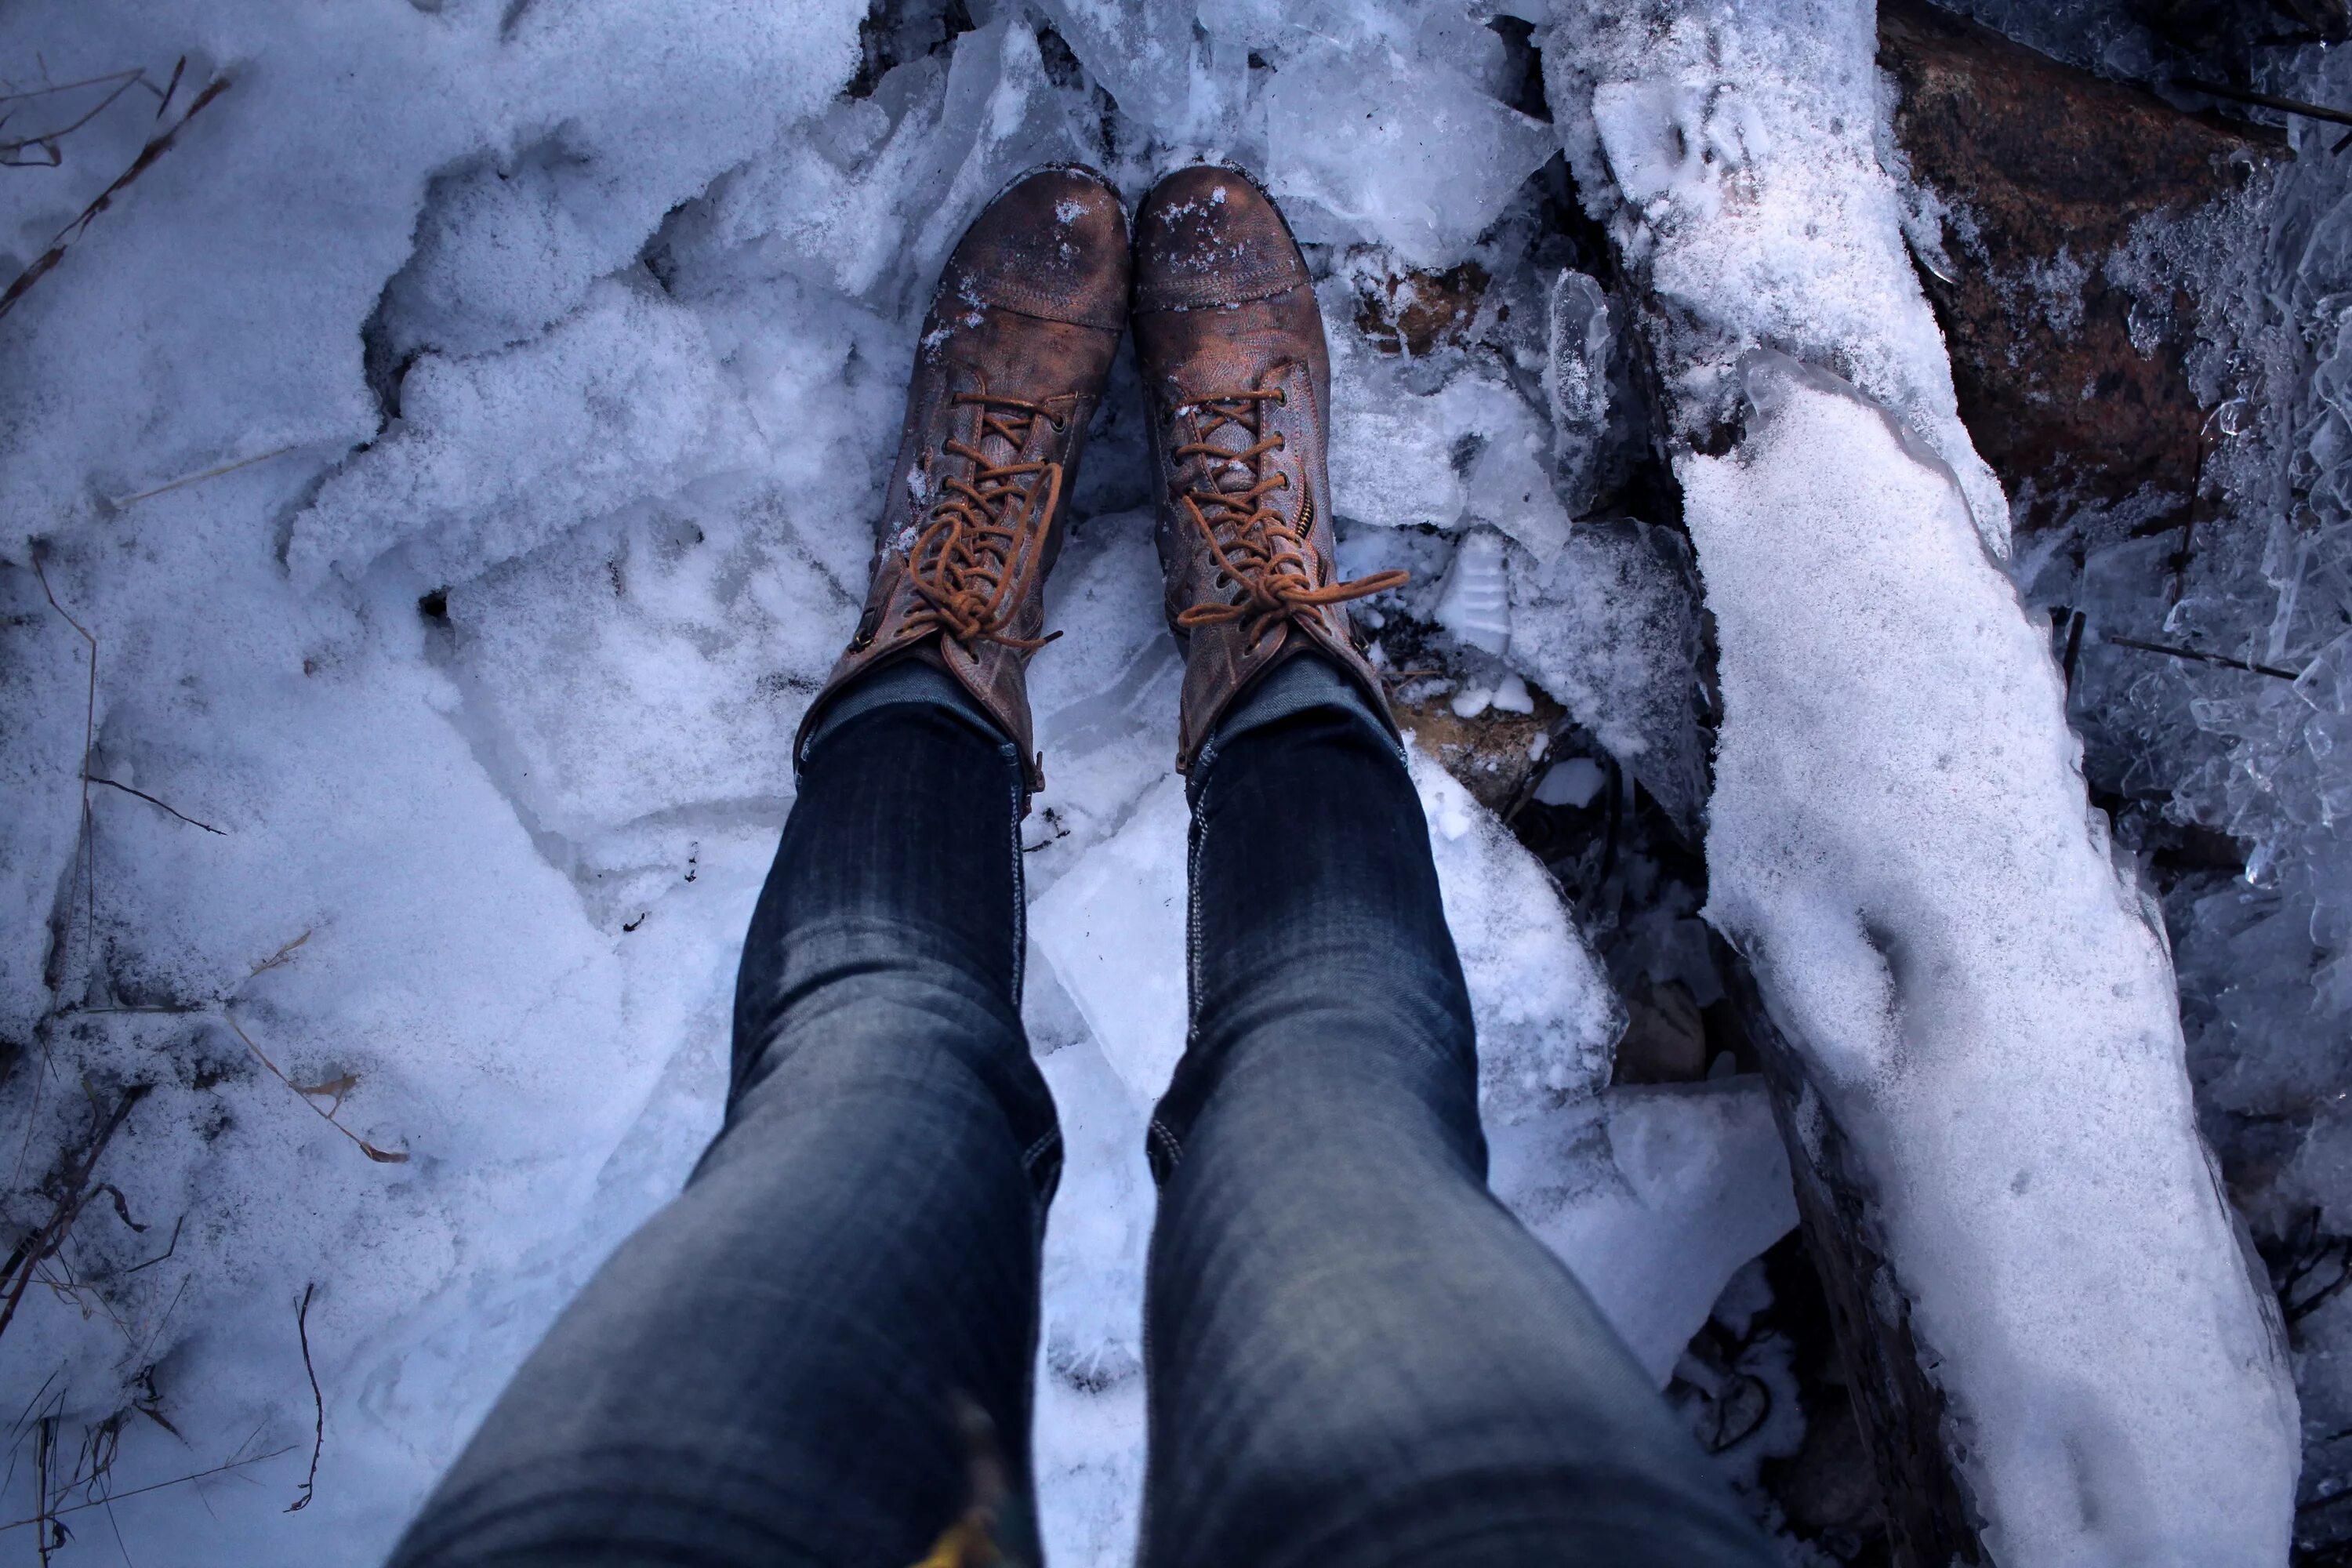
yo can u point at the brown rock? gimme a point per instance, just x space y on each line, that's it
1415 312
1665 1037
2045 170
1486 752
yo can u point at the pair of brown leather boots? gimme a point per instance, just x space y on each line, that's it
1013 356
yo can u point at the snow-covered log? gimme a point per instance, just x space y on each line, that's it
2062 1348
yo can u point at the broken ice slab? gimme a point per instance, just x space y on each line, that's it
1610 628
1509 487
1654 1198
1367 144
1140 53
1473 450
1576 380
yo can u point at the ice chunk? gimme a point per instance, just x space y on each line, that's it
1897 840
1576 378
1610 630
1509 487
1140 52
1403 455
1475 605
1573 782
1369 142
1655 1197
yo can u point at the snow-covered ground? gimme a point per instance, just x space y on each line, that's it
459 450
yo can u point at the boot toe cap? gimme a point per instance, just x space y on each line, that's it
1052 244
1209 236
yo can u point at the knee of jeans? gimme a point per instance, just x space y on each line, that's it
915 1050
1302 1035
1344 973
847 981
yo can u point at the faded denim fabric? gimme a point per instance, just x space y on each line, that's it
821 1352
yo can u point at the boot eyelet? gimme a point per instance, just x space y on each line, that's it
867 624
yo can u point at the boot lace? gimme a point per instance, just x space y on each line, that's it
1258 549
974 562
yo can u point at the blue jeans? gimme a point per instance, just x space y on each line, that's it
820 1353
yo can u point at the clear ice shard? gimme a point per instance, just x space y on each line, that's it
1476 603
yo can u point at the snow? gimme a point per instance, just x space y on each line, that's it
1738 168
576 348
1898 839
1898 842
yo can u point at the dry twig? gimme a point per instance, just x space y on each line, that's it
227 1465
84 851
381 1156
151 800
14 150
318 1401
157 145
285 954
74 1192
211 473
2198 655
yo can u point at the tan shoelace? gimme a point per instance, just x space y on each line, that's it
1258 549
974 562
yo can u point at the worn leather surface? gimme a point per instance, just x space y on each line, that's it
1029 307
1223 305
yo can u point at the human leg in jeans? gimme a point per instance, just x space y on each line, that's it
1356 1356
820 1353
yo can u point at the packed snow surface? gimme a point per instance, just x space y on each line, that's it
1736 154
1899 841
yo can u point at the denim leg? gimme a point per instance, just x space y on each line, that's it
820 1350
1355 1354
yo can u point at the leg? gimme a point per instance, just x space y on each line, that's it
780 1367
820 1354
1356 1354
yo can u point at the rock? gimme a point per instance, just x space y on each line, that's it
1416 312
1664 1039
1489 752
2067 345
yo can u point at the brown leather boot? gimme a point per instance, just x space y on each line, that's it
1012 358
1230 345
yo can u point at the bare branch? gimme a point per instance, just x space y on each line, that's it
318 1401
381 1156
151 800
156 147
